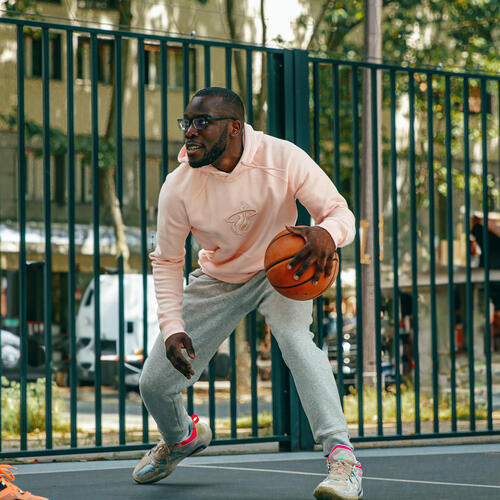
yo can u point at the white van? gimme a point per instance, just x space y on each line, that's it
133 318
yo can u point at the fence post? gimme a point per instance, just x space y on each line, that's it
288 118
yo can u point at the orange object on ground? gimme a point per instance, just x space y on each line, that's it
8 490
282 249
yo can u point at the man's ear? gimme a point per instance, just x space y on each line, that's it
237 127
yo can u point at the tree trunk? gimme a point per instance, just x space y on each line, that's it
318 21
243 381
372 52
237 54
258 113
107 176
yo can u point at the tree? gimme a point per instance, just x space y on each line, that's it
107 150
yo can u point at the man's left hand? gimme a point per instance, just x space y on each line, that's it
319 248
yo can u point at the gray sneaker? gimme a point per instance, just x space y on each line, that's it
161 461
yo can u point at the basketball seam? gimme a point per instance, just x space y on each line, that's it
304 282
279 262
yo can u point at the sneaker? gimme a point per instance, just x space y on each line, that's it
8 490
160 461
343 481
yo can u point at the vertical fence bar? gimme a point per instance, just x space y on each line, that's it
207 68
229 67
211 395
249 83
357 248
395 252
233 381
469 311
96 225
188 264
376 248
486 251
432 253
449 235
120 263
211 365
186 85
143 218
413 230
317 159
232 342
316 114
164 109
336 180
47 215
73 379
252 328
21 200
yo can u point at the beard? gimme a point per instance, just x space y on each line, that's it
212 154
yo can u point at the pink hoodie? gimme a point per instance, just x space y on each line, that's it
234 216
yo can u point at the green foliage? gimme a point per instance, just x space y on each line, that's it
59 141
463 33
11 392
14 7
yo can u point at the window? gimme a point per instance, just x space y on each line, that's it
152 67
105 62
33 54
34 177
83 181
97 4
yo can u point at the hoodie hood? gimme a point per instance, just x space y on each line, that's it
251 141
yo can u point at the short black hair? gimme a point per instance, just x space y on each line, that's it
232 99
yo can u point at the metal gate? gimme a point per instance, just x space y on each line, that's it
435 336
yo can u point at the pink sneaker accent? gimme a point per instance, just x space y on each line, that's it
193 435
340 447
344 478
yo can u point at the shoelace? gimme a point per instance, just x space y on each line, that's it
341 469
8 476
161 450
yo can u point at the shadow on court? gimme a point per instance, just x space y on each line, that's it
445 472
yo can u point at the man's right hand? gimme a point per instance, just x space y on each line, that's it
173 346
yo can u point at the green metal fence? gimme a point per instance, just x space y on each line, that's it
437 132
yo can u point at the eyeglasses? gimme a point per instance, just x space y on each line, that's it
200 122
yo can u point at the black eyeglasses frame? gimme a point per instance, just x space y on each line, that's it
185 123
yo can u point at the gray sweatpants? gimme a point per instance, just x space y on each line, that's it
211 310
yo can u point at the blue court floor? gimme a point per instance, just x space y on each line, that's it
416 472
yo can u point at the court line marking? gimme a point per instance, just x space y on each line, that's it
438 483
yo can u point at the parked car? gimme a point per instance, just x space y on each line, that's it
109 327
109 330
11 357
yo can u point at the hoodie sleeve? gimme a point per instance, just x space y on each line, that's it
314 189
168 258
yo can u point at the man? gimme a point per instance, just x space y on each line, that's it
235 188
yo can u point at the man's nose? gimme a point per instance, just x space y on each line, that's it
190 131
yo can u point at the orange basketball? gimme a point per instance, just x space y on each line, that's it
282 249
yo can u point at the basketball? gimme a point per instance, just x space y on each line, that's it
282 249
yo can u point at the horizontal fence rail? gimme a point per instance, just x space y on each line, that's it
410 297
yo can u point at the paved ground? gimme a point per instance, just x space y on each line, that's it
444 472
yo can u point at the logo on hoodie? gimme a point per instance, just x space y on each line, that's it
240 221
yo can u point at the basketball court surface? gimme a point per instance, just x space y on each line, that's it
416 472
